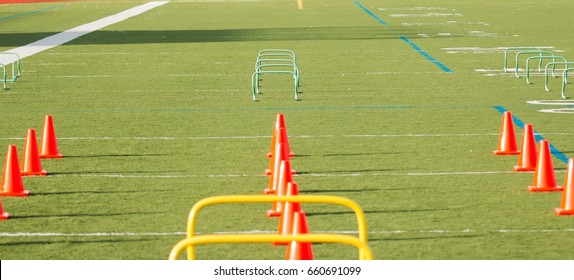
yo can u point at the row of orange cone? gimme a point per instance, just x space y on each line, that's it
292 219
538 161
12 183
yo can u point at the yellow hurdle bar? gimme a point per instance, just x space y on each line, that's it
365 251
324 199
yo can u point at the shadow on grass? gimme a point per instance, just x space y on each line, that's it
376 212
423 238
114 155
81 215
345 171
98 192
337 191
350 154
219 35
35 243
110 174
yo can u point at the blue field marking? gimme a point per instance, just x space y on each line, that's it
370 13
557 153
425 54
31 13
405 39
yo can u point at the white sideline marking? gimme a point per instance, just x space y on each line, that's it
182 233
413 9
131 176
171 138
551 102
71 34
427 15
558 111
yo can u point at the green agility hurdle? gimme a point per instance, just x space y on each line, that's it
566 63
540 54
15 68
507 50
565 81
540 58
275 61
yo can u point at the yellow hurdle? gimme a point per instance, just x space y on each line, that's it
365 254
192 240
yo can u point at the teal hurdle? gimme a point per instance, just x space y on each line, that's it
14 64
275 61
505 67
566 63
553 57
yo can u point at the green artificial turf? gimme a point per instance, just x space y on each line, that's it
155 113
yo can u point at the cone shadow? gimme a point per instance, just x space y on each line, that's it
114 155
81 215
27 243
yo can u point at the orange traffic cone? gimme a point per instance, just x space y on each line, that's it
567 202
31 164
527 158
299 250
283 153
49 142
283 178
286 219
273 170
3 215
507 138
12 184
279 130
280 155
544 177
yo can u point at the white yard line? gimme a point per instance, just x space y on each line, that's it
374 232
239 137
317 174
71 34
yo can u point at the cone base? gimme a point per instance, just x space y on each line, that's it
35 173
4 216
277 243
270 155
299 252
52 156
273 213
268 172
24 193
506 153
563 212
545 189
524 169
269 191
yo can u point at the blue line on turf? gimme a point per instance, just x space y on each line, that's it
405 39
557 153
370 13
425 54
31 13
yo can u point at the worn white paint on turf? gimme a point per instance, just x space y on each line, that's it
372 232
71 34
562 102
551 102
239 137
